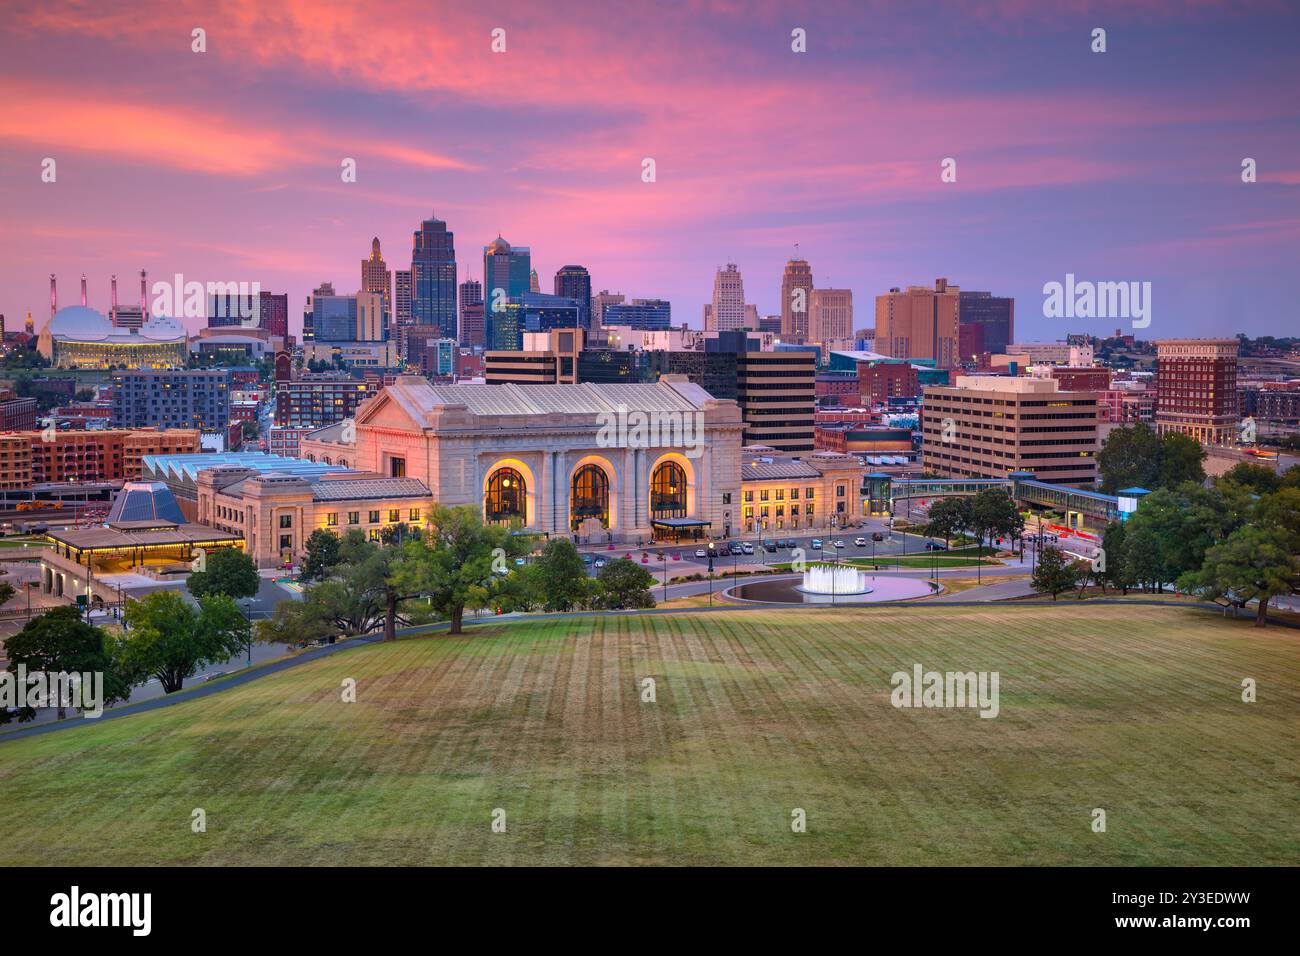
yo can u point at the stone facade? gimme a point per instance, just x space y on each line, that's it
461 440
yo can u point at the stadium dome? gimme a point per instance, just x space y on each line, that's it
81 323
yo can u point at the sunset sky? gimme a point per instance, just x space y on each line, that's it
225 166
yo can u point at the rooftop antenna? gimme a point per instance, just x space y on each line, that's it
54 296
83 288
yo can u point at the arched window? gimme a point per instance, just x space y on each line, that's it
668 491
506 496
589 496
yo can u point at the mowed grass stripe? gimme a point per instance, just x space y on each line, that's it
1133 709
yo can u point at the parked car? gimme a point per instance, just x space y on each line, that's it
877 536
839 544
588 560
859 542
734 547
747 548
770 547
699 552
935 546
816 544
600 563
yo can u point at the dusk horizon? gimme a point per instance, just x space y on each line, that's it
1122 166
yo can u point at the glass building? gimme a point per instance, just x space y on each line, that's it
433 277
334 318
506 268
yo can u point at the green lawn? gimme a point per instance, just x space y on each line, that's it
1132 709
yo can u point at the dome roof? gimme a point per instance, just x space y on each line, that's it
81 323
498 247
162 327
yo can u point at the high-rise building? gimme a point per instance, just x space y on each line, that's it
574 282
149 398
639 314
273 313
506 272
727 311
599 303
777 393
920 323
433 276
994 317
309 313
402 297
534 284
320 399
333 318
991 426
831 320
372 317
375 276
796 300
472 329
1196 389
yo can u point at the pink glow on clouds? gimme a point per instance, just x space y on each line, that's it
226 164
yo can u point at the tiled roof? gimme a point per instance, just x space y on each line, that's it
350 489
420 396
765 471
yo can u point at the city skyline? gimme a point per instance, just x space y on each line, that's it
837 149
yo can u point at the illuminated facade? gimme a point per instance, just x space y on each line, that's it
80 337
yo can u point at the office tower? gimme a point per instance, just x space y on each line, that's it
534 284
375 276
574 282
309 312
333 317
319 399
993 316
831 320
372 317
796 300
920 323
752 321
1037 428
506 272
777 393
433 276
233 309
727 311
472 329
273 313
599 303
1196 388
402 297
639 314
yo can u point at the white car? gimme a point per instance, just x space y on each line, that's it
859 542
699 552
747 547
839 544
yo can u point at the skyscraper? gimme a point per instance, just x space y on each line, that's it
472 330
987 321
727 310
433 277
534 284
309 313
506 271
831 321
375 276
402 297
574 282
599 302
1196 385
796 300
920 323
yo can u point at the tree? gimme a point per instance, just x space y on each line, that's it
1056 572
1115 568
1257 478
168 639
562 576
7 592
322 555
994 514
624 584
250 430
454 563
60 642
228 571
1253 564
949 517
1171 531
1181 459
85 395
1130 458
295 622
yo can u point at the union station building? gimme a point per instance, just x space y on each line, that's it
603 463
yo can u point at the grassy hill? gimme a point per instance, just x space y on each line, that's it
1134 710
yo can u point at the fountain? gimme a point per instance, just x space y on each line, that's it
834 580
